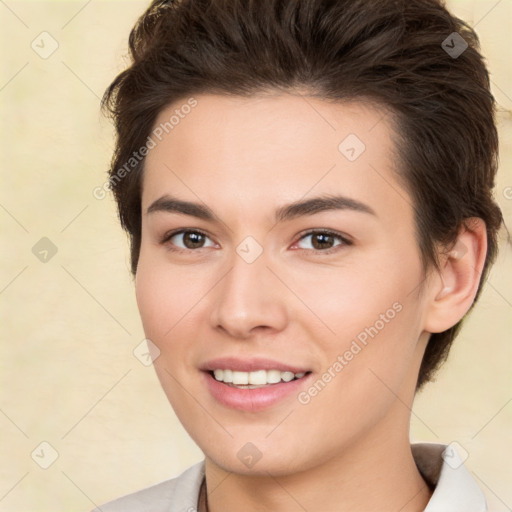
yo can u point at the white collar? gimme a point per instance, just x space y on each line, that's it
440 465
455 489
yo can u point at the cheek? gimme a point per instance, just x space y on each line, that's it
152 300
364 372
374 319
349 300
162 296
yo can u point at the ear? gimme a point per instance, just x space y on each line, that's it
452 289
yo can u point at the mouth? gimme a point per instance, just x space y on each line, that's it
255 379
254 385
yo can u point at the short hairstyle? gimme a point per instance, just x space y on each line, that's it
394 53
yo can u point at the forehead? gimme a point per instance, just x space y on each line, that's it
271 125
272 149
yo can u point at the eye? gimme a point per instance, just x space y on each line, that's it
323 241
186 240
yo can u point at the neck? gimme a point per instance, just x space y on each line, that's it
377 473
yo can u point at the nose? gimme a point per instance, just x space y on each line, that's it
249 299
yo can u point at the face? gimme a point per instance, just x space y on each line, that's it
277 244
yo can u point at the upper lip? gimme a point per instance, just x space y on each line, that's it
250 365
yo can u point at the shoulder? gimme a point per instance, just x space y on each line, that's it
177 494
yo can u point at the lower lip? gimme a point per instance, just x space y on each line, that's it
256 399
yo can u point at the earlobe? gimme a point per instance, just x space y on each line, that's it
454 290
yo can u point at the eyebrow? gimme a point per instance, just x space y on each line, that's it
290 211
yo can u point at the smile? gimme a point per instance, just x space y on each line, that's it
241 394
254 379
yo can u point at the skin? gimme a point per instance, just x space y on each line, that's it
348 448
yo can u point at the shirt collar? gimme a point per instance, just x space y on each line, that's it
440 465
455 489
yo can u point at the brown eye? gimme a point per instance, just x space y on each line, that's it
323 241
184 239
193 240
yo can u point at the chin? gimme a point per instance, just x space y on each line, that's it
274 466
253 461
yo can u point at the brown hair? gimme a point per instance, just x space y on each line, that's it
386 51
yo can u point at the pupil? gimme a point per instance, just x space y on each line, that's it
193 240
324 239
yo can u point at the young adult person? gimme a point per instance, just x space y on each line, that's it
307 187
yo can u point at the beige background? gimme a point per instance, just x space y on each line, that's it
69 326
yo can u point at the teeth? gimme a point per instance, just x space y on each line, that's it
287 376
256 378
240 378
273 376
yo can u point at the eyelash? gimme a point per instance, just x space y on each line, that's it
345 241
